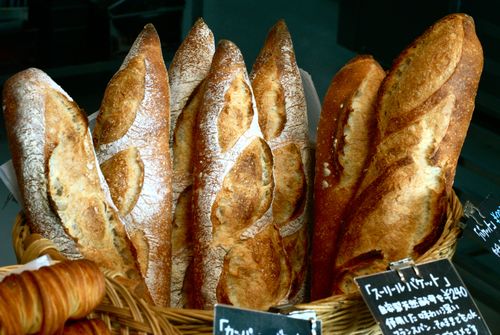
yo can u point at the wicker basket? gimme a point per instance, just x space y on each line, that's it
126 314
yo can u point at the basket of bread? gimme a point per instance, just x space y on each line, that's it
199 184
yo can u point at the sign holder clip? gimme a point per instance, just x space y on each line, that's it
404 263
293 312
470 210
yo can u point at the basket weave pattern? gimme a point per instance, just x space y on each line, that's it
126 314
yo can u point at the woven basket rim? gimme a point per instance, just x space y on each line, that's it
125 313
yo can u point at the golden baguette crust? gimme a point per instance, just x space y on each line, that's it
232 193
187 71
41 301
131 139
346 129
424 109
65 196
282 111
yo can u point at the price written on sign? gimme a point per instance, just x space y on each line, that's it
436 302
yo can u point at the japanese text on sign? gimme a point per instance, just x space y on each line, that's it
230 320
437 302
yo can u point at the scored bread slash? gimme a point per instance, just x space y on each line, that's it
282 112
239 255
64 198
131 139
187 71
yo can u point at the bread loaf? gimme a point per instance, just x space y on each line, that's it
131 139
423 111
282 115
65 197
41 301
346 129
239 255
188 69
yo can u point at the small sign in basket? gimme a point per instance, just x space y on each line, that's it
428 298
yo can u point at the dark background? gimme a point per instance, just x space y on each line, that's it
81 43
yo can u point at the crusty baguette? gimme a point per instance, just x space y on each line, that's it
26 96
424 108
282 111
187 71
346 129
65 196
239 254
41 301
131 138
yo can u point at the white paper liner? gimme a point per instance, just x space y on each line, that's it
35 264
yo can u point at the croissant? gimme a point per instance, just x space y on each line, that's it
41 301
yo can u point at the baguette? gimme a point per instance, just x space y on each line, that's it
41 301
239 255
188 69
131 139
66 199
346 127
424 107
282 112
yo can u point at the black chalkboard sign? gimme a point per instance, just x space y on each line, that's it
429 298
229 320
484 222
